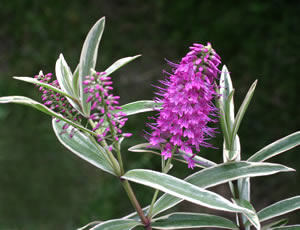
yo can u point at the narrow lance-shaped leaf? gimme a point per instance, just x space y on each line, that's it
45 85
83 147
75 82
146 147
277 147
274 224
288 227
34 104
118 224
182 189
140 107
220 174
241 112
225 104
279 208
65 77
252 217
118 64
184 220
88 58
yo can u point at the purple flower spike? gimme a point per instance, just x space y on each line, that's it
104 105
187 105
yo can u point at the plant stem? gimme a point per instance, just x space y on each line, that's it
112 160
237 196
136 204
152 204
165 169
113 134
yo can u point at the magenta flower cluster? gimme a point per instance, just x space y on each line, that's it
187 108
104 107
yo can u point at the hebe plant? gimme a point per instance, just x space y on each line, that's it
87 119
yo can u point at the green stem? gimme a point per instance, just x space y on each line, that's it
152 204
237 196
136 204
165 169
113 134
110 155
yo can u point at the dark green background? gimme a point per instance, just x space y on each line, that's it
43 186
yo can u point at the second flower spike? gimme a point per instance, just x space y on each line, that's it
187 105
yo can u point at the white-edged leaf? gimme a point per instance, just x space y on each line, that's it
252 217
274 224
220 174
89 225
64 75
244 192
140 107
241 112
287 227
147 148
184 220
45 85
34 104
81 145
75 82
181 189
119 63
279 208
277 147
226 107
117 224
88 58
65 79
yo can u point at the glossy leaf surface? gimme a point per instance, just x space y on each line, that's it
81 145
277 147
182 189
218 175
88 58
183 220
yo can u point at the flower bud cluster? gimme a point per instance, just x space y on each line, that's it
56 102
105 109
187 105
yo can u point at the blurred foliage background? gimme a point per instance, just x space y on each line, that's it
43 186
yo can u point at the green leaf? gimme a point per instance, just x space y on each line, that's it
64 75
287 227
140 107
277 147
233 154
118 64
34 104
94 223
65 79
88 58
220 174
45 85
75 82
225 104
252 217
184 220
181 189
229 111
82 146
244 192
279 208
147 148
117 224
278 223
241 112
